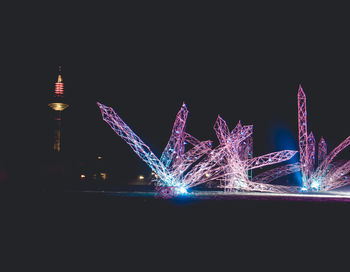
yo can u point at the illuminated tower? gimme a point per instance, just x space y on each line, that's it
57 103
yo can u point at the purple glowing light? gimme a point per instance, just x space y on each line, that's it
233 169
326 175
171 168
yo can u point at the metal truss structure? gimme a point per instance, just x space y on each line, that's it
187 162
327 175
275 173
235 164
180 167
172 168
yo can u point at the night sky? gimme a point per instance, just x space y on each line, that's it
243 62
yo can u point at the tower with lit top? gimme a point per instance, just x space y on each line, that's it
58 104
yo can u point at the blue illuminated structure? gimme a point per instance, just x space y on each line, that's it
171 168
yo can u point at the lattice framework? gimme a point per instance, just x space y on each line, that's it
234 166
325 176
175 160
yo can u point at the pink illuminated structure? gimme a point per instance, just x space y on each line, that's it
187 162
328 174
181 167
275 173
171 168
234 166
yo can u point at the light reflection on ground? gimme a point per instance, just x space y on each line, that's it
339 195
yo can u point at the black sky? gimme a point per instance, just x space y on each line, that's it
243 62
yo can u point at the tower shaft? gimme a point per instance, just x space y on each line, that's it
57 132
57 104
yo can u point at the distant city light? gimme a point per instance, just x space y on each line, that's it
155 175
99 157
82 176
103 175
141 177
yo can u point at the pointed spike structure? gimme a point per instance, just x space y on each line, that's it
242 134
303 136
175 161
136 144
237 128
175 146
311 156
221 130
322 150
325 177
231 160
269 159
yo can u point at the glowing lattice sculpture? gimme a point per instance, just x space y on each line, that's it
174 157
275 173
175 160
326 175
235 164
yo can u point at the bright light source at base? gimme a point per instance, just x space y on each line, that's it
315 184
182 190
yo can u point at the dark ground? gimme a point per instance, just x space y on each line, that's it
59 228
